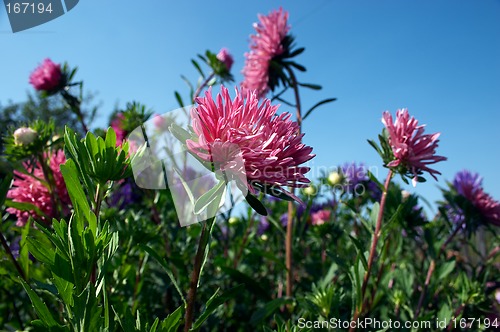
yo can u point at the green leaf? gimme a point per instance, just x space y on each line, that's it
297 52
40 307
318 104
360 250
214 302
173 321
77 196
180 133
179 99
210 196
64 288
256 204
198 68
164 265
310 86
5 184
42 252
445 269
269 308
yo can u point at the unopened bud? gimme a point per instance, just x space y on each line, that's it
24 136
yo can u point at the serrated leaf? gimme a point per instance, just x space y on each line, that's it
173 321
40 307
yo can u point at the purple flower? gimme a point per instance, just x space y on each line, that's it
263 225
469 185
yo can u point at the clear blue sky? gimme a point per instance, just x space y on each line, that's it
440 59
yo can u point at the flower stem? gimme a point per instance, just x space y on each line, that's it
202 86
14 261
431 269
75 105
289 229
373 249
195 276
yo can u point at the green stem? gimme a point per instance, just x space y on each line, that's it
14 261
373 250
289 228
195 276
202 86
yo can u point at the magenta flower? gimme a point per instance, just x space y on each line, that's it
413 150
241 129
469 185
47 76
226 58
265 45
118 126
320 217
27 189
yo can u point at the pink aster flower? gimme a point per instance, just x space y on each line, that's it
117 125
235 130
412 149
47 76
320 217
264 46
27 189
226 58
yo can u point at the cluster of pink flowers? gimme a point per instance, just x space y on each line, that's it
27 189
265 45
411 147
267 143
47 76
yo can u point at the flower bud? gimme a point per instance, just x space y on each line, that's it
310 191
24 136
405 194
232 220
334 178
226 58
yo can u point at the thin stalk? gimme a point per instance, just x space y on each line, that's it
373 250
13 259
431 269
202 86
289 228
195 276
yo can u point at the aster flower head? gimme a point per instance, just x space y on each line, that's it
269 47
412 150
28 189
473 206
249 142
48 77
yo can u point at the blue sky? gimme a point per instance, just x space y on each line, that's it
439 59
